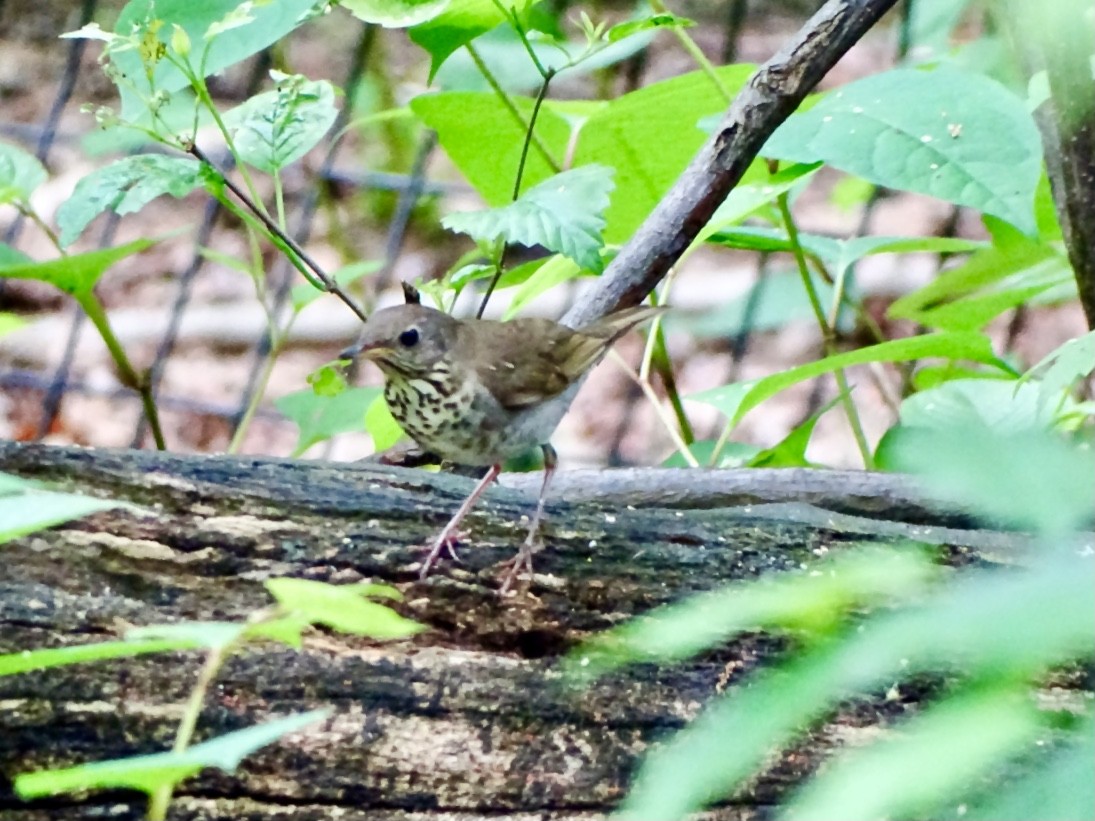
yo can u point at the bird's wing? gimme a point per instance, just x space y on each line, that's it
526 361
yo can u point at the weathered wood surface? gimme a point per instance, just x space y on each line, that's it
470 719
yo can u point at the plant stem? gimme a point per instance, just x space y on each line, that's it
511 107
130 378
287 244
827 334
529 133
695 52
158 803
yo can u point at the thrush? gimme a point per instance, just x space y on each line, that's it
478 392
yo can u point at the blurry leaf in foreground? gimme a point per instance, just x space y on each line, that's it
26 507
947 747
808 601
148 773
343 607
1033 480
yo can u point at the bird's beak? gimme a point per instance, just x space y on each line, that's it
363 349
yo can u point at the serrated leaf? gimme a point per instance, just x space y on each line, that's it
342 607
20 174
125 186
76 274
960 137
563 214
276 128
321 417
149 773
395 13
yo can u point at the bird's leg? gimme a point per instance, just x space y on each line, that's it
447 535
523 560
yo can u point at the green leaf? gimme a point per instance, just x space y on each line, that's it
20 174
148 773
1013 261
790 452
654 21
321 417
327 380
975 621
125 186
212 635
75 274
29 660
465 121
812 600
343 607
960 137
1002 406
563 214
381 425
305 293
649 136
395 13
948 746
277 128
10 322
12 256
460 23
1058 787
1064 366
218 44
774 301
747 198
556 270
25 507
1031 480
947 345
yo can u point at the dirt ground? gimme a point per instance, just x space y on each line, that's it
205 376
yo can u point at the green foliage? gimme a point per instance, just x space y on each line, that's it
949 134
563 214
220 33
149 773
27 506
321 415
277 128
20 174
125 187
992 630
77 274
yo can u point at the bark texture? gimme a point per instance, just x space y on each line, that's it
471 718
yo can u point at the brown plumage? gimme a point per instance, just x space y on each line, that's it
478 392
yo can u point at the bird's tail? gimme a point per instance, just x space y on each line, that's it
612 327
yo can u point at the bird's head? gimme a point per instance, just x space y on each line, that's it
406 340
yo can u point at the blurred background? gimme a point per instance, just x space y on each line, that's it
375 189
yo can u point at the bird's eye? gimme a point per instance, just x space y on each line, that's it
409 338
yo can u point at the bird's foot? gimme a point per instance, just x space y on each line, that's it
520 564
445 542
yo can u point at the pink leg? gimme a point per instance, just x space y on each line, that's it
523 560
448 533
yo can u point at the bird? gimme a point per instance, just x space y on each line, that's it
477 392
